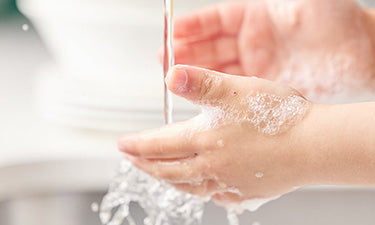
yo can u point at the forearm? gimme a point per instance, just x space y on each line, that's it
339 142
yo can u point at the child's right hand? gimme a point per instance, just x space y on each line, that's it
255 139
244 145
317 46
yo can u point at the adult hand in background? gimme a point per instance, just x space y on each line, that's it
320 47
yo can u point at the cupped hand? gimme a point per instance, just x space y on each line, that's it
241 147
320 47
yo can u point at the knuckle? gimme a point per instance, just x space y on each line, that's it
204 88
168 175
156 147
216 166
190 174
159 146
204 166
208 87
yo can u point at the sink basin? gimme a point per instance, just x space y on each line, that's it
61 201
56 209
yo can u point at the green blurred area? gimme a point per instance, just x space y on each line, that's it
8 9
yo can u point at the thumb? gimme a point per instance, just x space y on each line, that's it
199 85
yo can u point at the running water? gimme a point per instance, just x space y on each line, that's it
162 203
168 58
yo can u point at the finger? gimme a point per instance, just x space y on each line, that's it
184 171
169 142
203 190
232 68
224 18
208 53
201 86
257 45
226 198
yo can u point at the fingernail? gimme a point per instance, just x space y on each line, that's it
177 80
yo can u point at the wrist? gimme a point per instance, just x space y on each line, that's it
322 137
305 137
338 145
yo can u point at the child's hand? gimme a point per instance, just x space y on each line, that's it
242 146
320 47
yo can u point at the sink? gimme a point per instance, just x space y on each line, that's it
311 207
28 199
54 209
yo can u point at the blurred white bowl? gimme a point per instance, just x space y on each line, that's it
112 37
106 56
101 103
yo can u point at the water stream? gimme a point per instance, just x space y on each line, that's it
168 58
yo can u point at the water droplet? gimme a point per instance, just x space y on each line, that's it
95 207
161 201
220 143
25 27
259 175
232 217
147 221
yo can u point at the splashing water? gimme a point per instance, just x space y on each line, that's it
232 217
163 204
25 27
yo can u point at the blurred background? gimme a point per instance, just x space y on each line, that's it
7 7
75 76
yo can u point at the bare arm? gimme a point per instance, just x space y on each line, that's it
340 144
